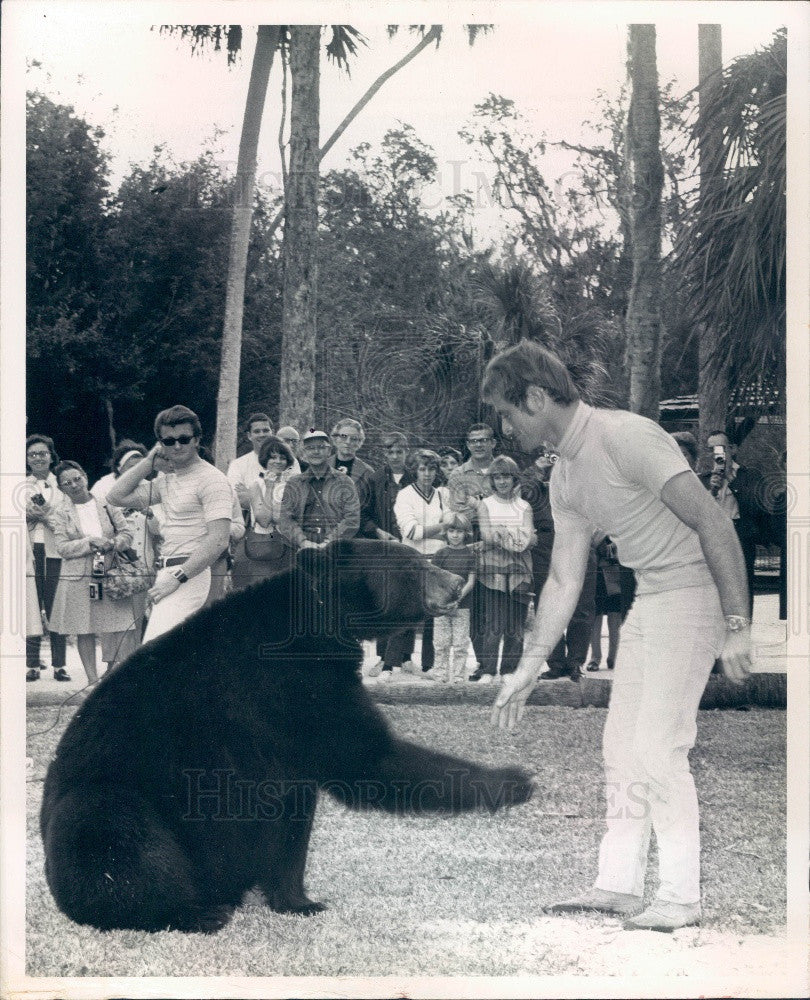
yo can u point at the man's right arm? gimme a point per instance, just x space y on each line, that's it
556 605
125 491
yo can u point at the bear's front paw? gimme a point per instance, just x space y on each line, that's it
301 905
509 786
204 921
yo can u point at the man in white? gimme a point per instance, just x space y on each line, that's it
624 475
197 503
244 471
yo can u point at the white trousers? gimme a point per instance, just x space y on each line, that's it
669 643
188 598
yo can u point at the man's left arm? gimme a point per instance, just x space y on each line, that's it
691 503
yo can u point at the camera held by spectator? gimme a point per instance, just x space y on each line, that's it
718 473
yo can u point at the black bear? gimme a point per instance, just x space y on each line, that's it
190 774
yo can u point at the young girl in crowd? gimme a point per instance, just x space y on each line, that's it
451 632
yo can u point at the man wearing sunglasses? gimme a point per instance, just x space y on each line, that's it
197 501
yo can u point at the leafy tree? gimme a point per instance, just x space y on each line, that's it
575 235
343 44
169 232
731 257
126 291
71 366
399 344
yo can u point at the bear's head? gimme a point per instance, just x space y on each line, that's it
373 588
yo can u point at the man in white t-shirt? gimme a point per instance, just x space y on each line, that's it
624 475
244 471
197 503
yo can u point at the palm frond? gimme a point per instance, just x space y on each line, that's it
343 44
731 258
205 37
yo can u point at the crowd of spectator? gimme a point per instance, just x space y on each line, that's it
194 532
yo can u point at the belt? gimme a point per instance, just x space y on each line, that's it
171 561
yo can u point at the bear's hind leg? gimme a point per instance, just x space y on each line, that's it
284 887
111 862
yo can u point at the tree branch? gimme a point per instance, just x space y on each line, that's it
433 35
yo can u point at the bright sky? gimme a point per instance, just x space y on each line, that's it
146 89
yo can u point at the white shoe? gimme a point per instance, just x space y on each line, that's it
409 667
665 917
486 679
386 676
375 670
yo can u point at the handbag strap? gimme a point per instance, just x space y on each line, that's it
109 518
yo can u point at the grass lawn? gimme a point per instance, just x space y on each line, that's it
463 896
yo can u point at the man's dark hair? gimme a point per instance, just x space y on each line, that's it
511 373
48 442
257 418
178 415
481 427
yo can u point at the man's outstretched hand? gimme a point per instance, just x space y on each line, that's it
511 701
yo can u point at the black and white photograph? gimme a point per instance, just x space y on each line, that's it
405 499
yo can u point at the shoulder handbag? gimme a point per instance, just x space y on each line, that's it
265 548
126 575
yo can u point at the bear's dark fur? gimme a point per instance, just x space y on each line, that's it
190 774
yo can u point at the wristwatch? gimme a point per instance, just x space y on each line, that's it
736 623
180 575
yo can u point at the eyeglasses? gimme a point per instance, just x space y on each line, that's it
39 454
170 442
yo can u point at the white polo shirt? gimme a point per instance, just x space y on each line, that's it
612 468
244 471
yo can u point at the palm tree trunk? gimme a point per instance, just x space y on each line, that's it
231 356
713 388
643 308
299 315
433 35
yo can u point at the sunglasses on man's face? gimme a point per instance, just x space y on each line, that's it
170 442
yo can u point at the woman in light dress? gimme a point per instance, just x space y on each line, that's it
87 532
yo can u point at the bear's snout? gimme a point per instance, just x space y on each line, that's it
442 589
